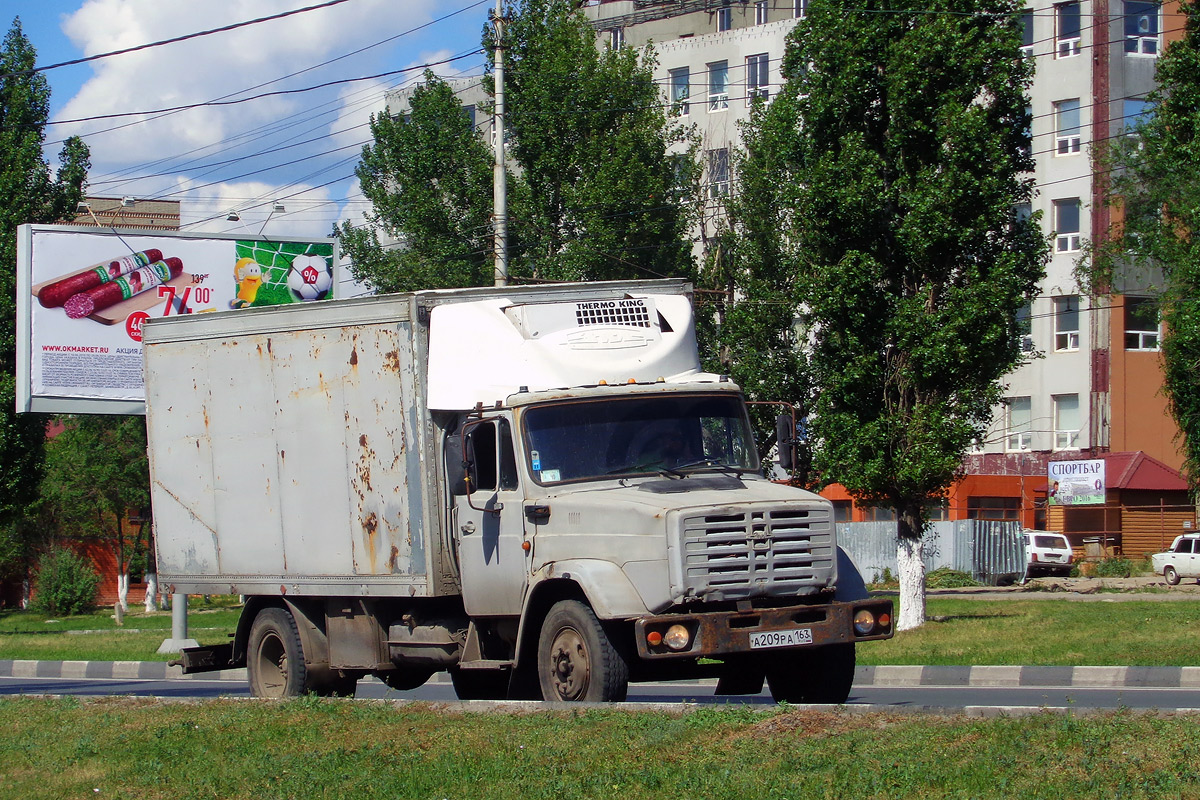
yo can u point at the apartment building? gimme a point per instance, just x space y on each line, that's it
1092 385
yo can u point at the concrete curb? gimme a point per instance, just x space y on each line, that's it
1006 677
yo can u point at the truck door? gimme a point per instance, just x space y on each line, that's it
488 515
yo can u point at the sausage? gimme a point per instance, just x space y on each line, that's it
53 295
100 297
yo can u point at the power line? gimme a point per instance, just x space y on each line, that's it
215 103
183 38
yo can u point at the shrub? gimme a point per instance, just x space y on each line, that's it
1114 568
946 578
66 584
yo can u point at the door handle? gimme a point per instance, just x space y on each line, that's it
468 528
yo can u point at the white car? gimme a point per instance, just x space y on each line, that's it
1182 560
1047 553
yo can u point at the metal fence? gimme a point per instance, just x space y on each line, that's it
991 552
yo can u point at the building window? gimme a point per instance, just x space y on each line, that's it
799 8
1027 33
1141 323
1066 127
1066 225
724 18
843 511
997 509
680 90
616 37
718 172
718 86
469 113
757 77
1066 421
1025 327
1066 30
760 12
1141 28
879 514
1066 323
681 175
1135 112
1018 423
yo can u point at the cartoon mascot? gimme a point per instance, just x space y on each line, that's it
248 277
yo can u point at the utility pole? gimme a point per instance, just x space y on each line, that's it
500 178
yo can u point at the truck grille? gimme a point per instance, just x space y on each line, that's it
731 555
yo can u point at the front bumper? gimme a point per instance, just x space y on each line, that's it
725 633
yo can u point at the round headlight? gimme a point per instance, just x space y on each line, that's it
864 622
677 637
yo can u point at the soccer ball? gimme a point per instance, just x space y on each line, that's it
309 279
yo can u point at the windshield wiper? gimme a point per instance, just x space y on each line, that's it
705 462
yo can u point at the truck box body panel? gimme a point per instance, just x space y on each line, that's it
287 457
293 449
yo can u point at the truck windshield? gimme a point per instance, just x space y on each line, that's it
592 439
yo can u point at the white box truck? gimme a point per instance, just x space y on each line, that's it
535 489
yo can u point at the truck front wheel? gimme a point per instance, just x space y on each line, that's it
821 675
576 659
275 656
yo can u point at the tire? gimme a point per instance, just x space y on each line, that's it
480 684
275 656
405 679
824 675
1172 577
577 662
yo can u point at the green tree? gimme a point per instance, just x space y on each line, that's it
96 472
601 157
429 179
901 155
756 333
28 193
601 182
1153 247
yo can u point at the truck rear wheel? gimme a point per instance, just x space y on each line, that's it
576 659
275 656
821 675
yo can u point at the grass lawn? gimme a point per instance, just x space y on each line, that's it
310 748
97 637
1052 632
960 631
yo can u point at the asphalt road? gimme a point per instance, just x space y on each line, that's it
947 699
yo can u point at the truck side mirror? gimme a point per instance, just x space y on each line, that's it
785 438
456 470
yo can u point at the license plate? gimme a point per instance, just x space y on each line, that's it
791 638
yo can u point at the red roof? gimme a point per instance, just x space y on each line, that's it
1136 470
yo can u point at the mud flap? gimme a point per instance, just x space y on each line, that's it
740 679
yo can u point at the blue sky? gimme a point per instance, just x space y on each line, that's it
298 148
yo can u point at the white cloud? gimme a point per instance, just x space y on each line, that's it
211 67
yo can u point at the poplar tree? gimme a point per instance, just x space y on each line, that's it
607 172
428 176
29 193
899 150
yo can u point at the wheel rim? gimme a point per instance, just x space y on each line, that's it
271 660
570 666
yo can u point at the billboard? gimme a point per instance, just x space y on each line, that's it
1076 483
83 294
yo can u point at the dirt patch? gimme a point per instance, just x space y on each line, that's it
818 724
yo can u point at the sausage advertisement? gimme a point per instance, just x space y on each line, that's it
100 297
54 294
84 295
